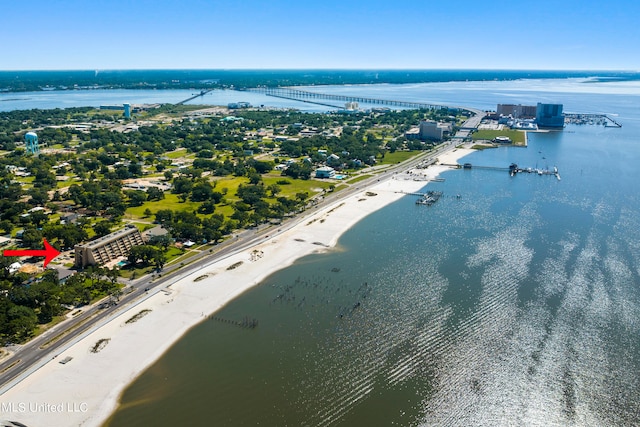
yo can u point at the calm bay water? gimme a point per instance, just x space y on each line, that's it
516 304
97 97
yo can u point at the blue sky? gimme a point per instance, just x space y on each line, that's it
257 34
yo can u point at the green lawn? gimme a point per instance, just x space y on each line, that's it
66 183
170 201
358 178
175 154
129 273
175 254
231 184
517 136
26 179
397 157
296 186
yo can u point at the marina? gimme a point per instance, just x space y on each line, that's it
591 119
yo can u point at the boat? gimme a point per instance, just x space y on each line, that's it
429 198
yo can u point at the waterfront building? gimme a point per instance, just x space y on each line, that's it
325 172
549 115
516 111
127 111
108 248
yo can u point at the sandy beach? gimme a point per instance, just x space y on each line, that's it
85 390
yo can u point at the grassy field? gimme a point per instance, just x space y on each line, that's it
131 273
297 185
67 183
358 178
176 154
231 184
517 136
170 201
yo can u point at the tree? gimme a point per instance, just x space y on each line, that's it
144 253
102 228
301 198
154 194
298 170
207 207
6 226
161 241
182 185
240 216
112 274
68 235
211 228
136 197
39 196
164 216
32 238
255 178
122 172
250 194
135 169
21 322
274 189
201 192
159 259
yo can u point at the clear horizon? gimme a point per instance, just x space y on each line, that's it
280 34
330 69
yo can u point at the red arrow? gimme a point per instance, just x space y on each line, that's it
49 252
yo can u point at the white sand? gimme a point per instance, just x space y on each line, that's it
85 391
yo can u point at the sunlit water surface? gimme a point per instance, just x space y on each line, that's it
515 304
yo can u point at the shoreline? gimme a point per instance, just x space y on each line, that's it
86 392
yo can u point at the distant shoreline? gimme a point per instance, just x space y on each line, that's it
43 80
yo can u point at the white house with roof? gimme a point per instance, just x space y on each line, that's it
325 172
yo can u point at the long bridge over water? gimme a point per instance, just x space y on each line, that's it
202 93
316 98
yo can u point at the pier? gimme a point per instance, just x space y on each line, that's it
513 169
